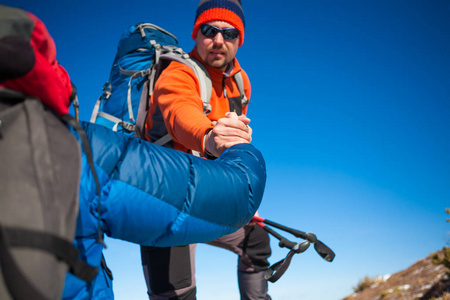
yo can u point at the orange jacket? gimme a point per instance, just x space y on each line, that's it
177 99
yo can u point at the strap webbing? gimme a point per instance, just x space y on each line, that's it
125 125
204 80
106 94
88 152
18 284
135 75
18 237
240 83
276 270
163 140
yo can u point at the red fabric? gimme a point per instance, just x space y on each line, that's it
177 93
220 14
47 80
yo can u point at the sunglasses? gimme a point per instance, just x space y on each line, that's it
210 31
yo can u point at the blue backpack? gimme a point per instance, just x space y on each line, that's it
144 51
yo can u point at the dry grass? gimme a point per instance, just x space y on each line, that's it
423 280
363 284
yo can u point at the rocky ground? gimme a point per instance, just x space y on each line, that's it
421 281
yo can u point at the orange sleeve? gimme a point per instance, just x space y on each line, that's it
177 93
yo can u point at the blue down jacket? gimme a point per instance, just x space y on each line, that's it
156 196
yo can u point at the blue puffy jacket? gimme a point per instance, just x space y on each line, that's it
156 196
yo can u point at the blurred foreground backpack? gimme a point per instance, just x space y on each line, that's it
144 51
40 164
39 181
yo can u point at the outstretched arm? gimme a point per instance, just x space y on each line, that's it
161 197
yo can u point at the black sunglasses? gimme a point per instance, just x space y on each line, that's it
210 31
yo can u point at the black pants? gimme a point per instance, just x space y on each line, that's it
170 272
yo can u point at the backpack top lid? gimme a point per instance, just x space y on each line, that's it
138 36
138 50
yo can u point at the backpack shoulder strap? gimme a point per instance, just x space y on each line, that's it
164 55
240 83
204 81
200 72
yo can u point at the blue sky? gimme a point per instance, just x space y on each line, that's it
350 108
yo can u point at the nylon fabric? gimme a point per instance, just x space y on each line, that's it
180 179
134 56
39 186
155 196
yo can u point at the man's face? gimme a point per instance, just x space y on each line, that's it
216 51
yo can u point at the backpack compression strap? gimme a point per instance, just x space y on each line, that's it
107 93
18 284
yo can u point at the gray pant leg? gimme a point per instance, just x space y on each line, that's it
187 292
251 243
253 286
231 242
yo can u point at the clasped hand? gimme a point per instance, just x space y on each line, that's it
228 131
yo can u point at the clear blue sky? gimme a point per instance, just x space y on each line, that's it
350 107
